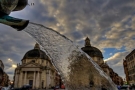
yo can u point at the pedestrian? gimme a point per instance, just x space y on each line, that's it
133 86
54 88
103 88
62 86
119 87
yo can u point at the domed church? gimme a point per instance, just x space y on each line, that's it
93 52
97 56
36 70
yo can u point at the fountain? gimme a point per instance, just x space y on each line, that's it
77 69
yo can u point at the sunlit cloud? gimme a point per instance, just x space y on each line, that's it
10 60
14 66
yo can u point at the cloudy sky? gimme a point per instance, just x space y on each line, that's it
110 25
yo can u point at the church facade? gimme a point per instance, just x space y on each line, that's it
36 70
97 56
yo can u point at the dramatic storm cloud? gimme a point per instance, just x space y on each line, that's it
110 24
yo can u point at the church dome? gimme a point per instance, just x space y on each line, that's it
90 50
36 53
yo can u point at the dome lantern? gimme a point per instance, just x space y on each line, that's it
37 46
87 42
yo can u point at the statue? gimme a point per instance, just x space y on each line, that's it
8 6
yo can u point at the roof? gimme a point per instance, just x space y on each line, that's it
36 53
130 54
90 50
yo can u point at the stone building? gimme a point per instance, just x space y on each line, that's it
129 67
97 56
1 71
4 78
126 71
36 69
1 65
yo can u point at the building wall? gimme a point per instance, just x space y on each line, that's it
129 67
5 80
1 71
98 60
1 65
126 71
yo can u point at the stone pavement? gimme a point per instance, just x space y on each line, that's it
48 89
55 89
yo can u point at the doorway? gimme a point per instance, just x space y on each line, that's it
31 82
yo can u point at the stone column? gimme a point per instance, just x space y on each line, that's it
20 81
37 80
34 80
25 77
40 77
48 78
16 80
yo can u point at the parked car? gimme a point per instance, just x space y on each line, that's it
26 87
16 89
0 87
57 87
4 88
125 87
